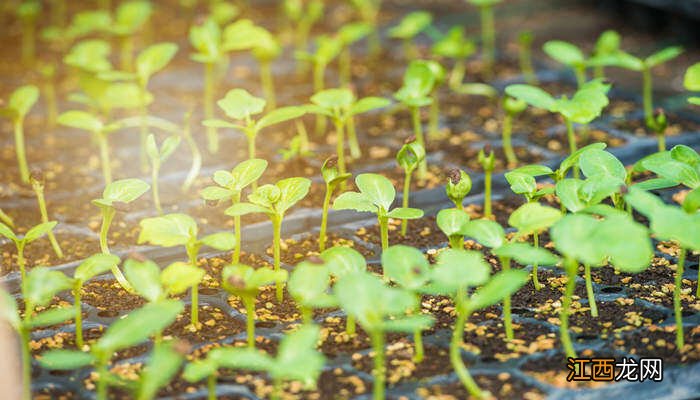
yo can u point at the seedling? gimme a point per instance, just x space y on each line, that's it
670 223
486 158
274 200
440 75
223 12
181 230
658 124
608 43
409 268
93 266
569 54
241 106
155 285
587 239
456 272
369 13
304 15
376 195
332 177
229 186
350 34
488 33
379 309
28 12
40 287
21 242
455 45
309 286
129 18
163 363
297 360
340 262
453 222
525 39
458 186
409 157
37 180
18 106
124 333
691 81
512 107
6 219
408 28
157 157
586 104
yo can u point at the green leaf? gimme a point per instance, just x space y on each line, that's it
368 104
168 230
334 99
153 59
238 104
42 284
309 284
241 358
665 166
532 95
608 43
599 162
406 266
409 324
125 190
587 104
626 242
500 286
218 123
691 203
130 16
38 231
6 231
573 158
23 99
246 173
65 360
145 278
691 80
169 145
177 277
206 38
279 115
52 316
410 155
574 236
97 264
8 310
454 44
567 191
619 59
564 52
526 254
221 241
685 155
377 188
663 56
488 233
292 190
353 32
245 208
411 25
199 369
655 184
532 218
343 260
521 183
458 269
452 221
405 213
215 193
354 201
81 120
152 148
163 363
245 280
297 358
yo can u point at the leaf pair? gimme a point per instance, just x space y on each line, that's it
376 195
273 199
151 283
230 184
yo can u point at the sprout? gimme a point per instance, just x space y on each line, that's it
28 12
309 286
691 81
18 106
408 28
304 14
6 219
608 43
241 106
512 107
486 159
525 39
229 186
130 17
181 230
155 285
457 46
376 195
21 241
342 261
658 124
194 149
350 34
91 267
458 186
297 360
158 156
379 309
274 200
126 332
606 46
223 12
453 222
37 180
163 363
456 272
40 287
369 13
332 177
488 33
409 157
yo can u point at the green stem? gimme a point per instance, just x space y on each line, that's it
276 239
38 189
457 74
237 230
456 346
212 136
404 200
104 157
344 66
589 291
535 280
194 307
77 294
154 188
379 371
571 265
306 315
525 60
571 136
488 38
26 362
507 142
374 42
457 242
384 231
434 118
647 93
211 387
418 131
250 320
107 217
303 136
21 261
276 389
143 131
418 344
102 372
340 148
324 219
580 72
487 194
268 84
350 325
196 155
507 318
319 72
126 53
355 151
662 141
20 150
677 309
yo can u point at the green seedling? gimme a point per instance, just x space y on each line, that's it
241 106
124 333
274 201
223 12
6 219
21 242
368 11
691 81
157 157
674 224
409 268
608 43
309 286
573 57
298 146
304 14
486 158
194 149
586 105
350 34
453 222
440 76
527 219
409 158
93 266
408 28
587 239
229 186
38 182
525 39
458 186
456 46
376 195
512 107
678 166
340 262
38 290
332 177
28 12
488 33
130 17
522 181
297 360
163 363
658 124
154 284
18 106
454 275
181 230
379 309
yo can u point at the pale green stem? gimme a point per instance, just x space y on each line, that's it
194 307
324 219
77 294
107 217
457 75
21 261
250 320
102 372
487 193
571 265
418 131
677 308
379 371
404 200
525 60
535 279
212 136
507 140
507 318
488 37
340 148
211 386
276 239
143 133
418 344
268 84
355 150
647 93
571 136
319 72
20 150
456 346
580 72
24 333
237 230
45 218
434 119
457 242
384 232
154 188
589 291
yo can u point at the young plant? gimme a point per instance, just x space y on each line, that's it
376 195
458 186
488 33
512 107
454 275
309 286
369 13
486 158
181 230
40 287
349 34
28 12
593 241
21 241
340 262
304 15
124 333
439 75
129 18
608 43
658 124
379 309
674 224
154 284
573 57
37 180
453 222
525 39
408 28
194 149
91 267
163 363
409 157
274 200
332 177
157 157
297 360
241 106
18 106
456 46
229 186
